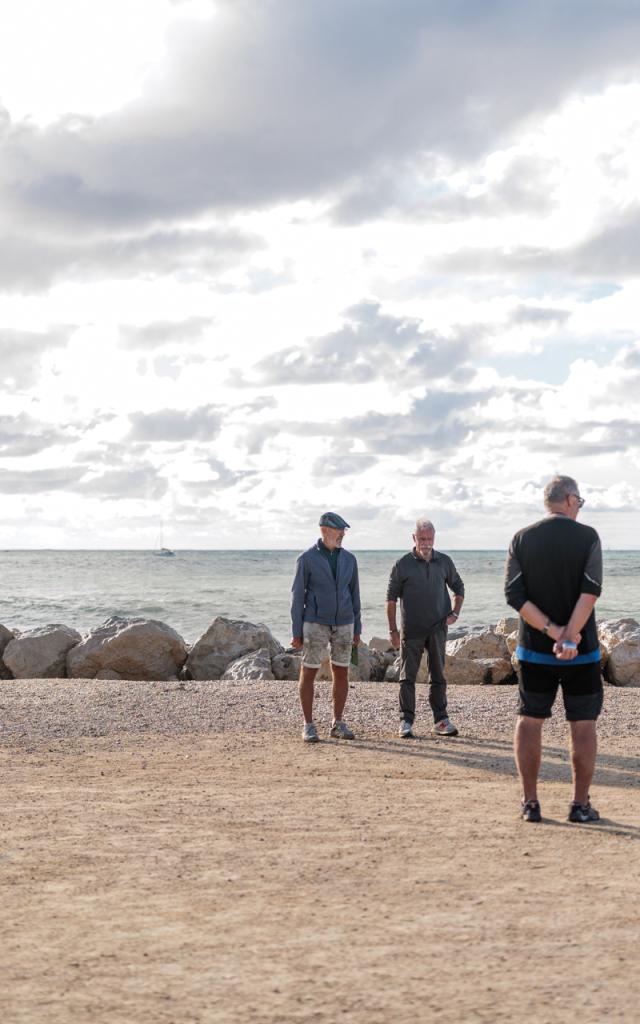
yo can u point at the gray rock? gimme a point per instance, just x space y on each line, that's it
508 625
620 643
108 673
381 644
5 636
479 672
255 665
134 648
225 641
40 653
287 665
486 644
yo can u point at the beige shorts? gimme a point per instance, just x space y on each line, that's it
318 637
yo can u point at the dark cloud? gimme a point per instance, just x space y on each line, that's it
369 346
21 353
176 425
34 260
274 101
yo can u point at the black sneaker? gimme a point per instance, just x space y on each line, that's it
531 811
582 812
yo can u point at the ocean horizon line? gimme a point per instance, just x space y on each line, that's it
151 550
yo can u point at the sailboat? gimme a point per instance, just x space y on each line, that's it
161 551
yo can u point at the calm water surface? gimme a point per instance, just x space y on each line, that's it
82 588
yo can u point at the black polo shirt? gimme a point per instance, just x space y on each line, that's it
423 588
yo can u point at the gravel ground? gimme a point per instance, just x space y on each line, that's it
41 709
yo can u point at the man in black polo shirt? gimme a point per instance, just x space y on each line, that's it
553 578
422 580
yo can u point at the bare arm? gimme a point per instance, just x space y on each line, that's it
537 618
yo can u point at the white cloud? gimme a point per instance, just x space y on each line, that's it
375 257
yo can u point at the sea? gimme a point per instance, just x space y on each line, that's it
83 588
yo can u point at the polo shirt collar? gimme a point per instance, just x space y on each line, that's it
434 556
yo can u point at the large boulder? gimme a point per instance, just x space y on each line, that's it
5 636
225 641
255 665
485 644
40 653
620 643
287 665
508 625
479 671
133 648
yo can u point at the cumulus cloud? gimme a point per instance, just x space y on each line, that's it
141 482
271 102
176 425
24 435
419 191
613 253
330 466
159 333
37 481
21 353
33 260
369 346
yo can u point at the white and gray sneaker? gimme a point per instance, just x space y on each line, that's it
405 732
445 728
341 731
310 733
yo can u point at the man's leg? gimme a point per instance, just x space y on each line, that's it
306 691
528 754
584 747
410 657
340 689
436 645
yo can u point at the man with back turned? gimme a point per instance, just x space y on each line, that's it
422 579
553 578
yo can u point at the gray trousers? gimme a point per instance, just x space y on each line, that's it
410 657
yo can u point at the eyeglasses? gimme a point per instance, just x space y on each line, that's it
580 500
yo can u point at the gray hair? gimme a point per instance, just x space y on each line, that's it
424 524
559 488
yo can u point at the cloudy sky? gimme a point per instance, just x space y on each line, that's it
264 258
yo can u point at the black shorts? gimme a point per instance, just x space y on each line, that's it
582 690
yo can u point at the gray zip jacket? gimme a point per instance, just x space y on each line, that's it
317 597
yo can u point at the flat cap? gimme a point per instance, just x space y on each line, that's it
334 520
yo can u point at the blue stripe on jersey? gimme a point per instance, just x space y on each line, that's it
523 654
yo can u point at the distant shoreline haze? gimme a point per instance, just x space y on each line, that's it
82 588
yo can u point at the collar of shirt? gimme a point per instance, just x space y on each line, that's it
434 556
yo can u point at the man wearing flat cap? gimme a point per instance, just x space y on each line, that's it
325 613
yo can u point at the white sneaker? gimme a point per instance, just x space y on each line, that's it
310 733
405 732
445 728
341 731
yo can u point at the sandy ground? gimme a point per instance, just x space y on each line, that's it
173 853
